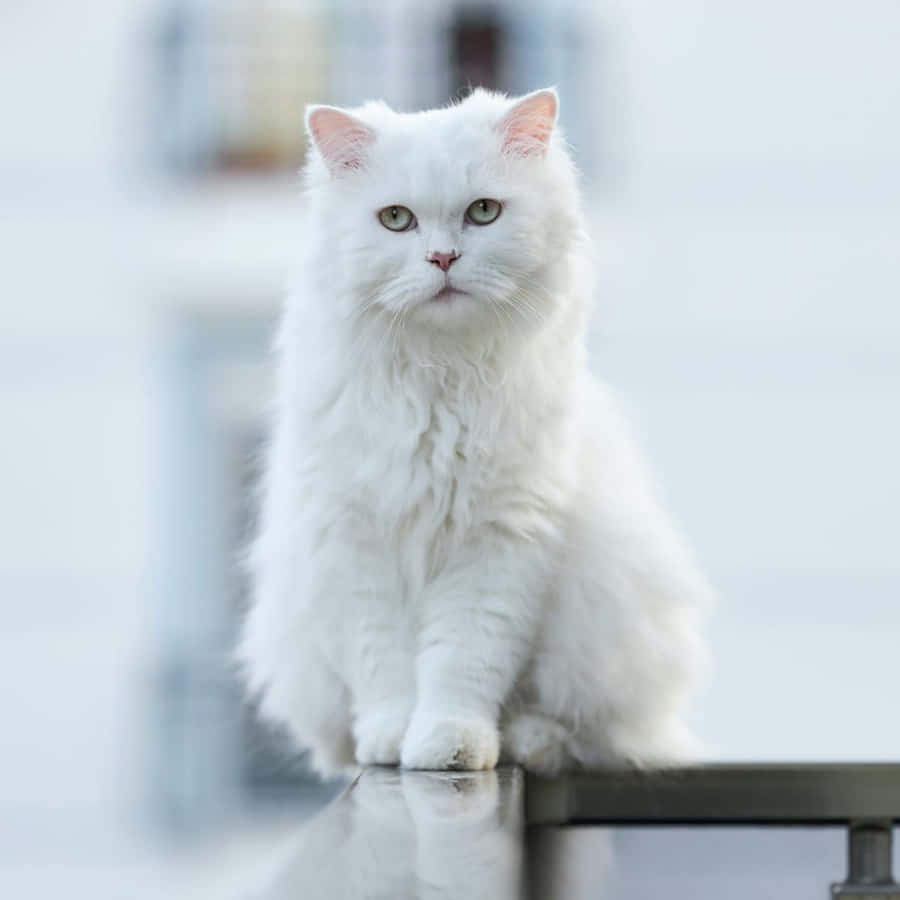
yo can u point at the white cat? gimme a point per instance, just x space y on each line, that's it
459 557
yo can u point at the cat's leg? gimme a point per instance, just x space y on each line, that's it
357 717
324 653
349 697
325 721
383 687
378 660
351 694
284 650
297 689
479 621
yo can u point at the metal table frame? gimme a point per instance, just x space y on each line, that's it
863 797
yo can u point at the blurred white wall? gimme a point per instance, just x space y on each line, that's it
752 320
75 440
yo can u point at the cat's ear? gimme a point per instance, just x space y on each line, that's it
527 127
340 138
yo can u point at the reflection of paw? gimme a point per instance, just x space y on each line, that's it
379 737
451 797
451 743
536 742
377 796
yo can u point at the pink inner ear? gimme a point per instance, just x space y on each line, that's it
527 127
340 138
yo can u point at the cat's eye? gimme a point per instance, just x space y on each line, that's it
397 218
483 211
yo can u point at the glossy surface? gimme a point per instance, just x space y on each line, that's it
443 835
392 834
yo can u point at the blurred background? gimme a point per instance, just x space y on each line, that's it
741 167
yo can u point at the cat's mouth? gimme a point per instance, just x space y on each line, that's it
447 293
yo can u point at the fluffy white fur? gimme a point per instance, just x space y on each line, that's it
459 557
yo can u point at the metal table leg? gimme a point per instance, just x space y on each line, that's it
870 872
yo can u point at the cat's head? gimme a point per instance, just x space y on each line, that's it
449 219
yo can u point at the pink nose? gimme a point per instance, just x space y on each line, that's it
444 260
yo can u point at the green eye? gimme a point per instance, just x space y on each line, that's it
483 211
397 218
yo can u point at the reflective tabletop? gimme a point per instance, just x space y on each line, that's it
716 831
411 834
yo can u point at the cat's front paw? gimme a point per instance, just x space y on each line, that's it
456 742
379 737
